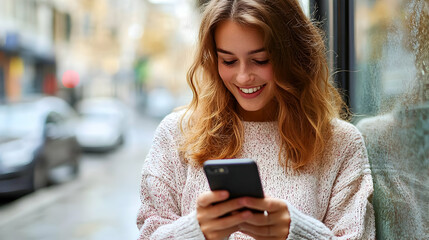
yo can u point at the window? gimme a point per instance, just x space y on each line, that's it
380 49
389 93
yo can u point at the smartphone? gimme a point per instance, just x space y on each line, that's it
240 177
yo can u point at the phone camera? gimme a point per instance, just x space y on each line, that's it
219 170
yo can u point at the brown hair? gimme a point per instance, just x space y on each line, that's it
307 101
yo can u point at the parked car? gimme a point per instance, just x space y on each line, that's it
102 125
35 137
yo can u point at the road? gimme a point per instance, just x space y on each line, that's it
101 203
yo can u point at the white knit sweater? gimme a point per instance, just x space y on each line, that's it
325 201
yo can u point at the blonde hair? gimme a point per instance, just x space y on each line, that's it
306 99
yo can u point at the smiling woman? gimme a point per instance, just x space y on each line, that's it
261 91
246 70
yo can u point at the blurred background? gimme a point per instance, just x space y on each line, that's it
84 83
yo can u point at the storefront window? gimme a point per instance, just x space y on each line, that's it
390 100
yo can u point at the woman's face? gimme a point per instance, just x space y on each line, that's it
246 70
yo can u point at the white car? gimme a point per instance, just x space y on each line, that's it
102 125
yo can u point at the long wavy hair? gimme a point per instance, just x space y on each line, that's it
306 99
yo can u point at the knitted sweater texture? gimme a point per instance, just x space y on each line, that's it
328 199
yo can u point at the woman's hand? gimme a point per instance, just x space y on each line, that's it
274 225
212 224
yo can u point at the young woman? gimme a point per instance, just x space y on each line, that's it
261 91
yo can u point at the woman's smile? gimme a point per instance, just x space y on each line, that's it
251 92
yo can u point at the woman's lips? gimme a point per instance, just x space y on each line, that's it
250 92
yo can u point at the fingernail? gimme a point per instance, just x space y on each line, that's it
224 194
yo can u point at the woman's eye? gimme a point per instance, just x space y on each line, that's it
227 63
263 62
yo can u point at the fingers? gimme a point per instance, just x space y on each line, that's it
220 228
264 220
207 198
228 222
275 230
209 217
220 234
258 225
264 204
226 207
274 224
258 237
219 210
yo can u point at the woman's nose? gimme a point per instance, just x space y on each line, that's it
243 74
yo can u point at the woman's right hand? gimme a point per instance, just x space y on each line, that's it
209 215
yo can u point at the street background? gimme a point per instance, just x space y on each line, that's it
135 54
101 203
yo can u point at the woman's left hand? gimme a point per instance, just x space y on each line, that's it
274 225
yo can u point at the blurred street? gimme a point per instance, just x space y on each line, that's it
100 204
73 76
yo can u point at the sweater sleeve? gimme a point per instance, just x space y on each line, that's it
350 214
163 174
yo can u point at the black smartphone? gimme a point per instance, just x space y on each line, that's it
240 177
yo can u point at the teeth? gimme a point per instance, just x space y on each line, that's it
250 90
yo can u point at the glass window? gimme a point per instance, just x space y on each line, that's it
389 97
